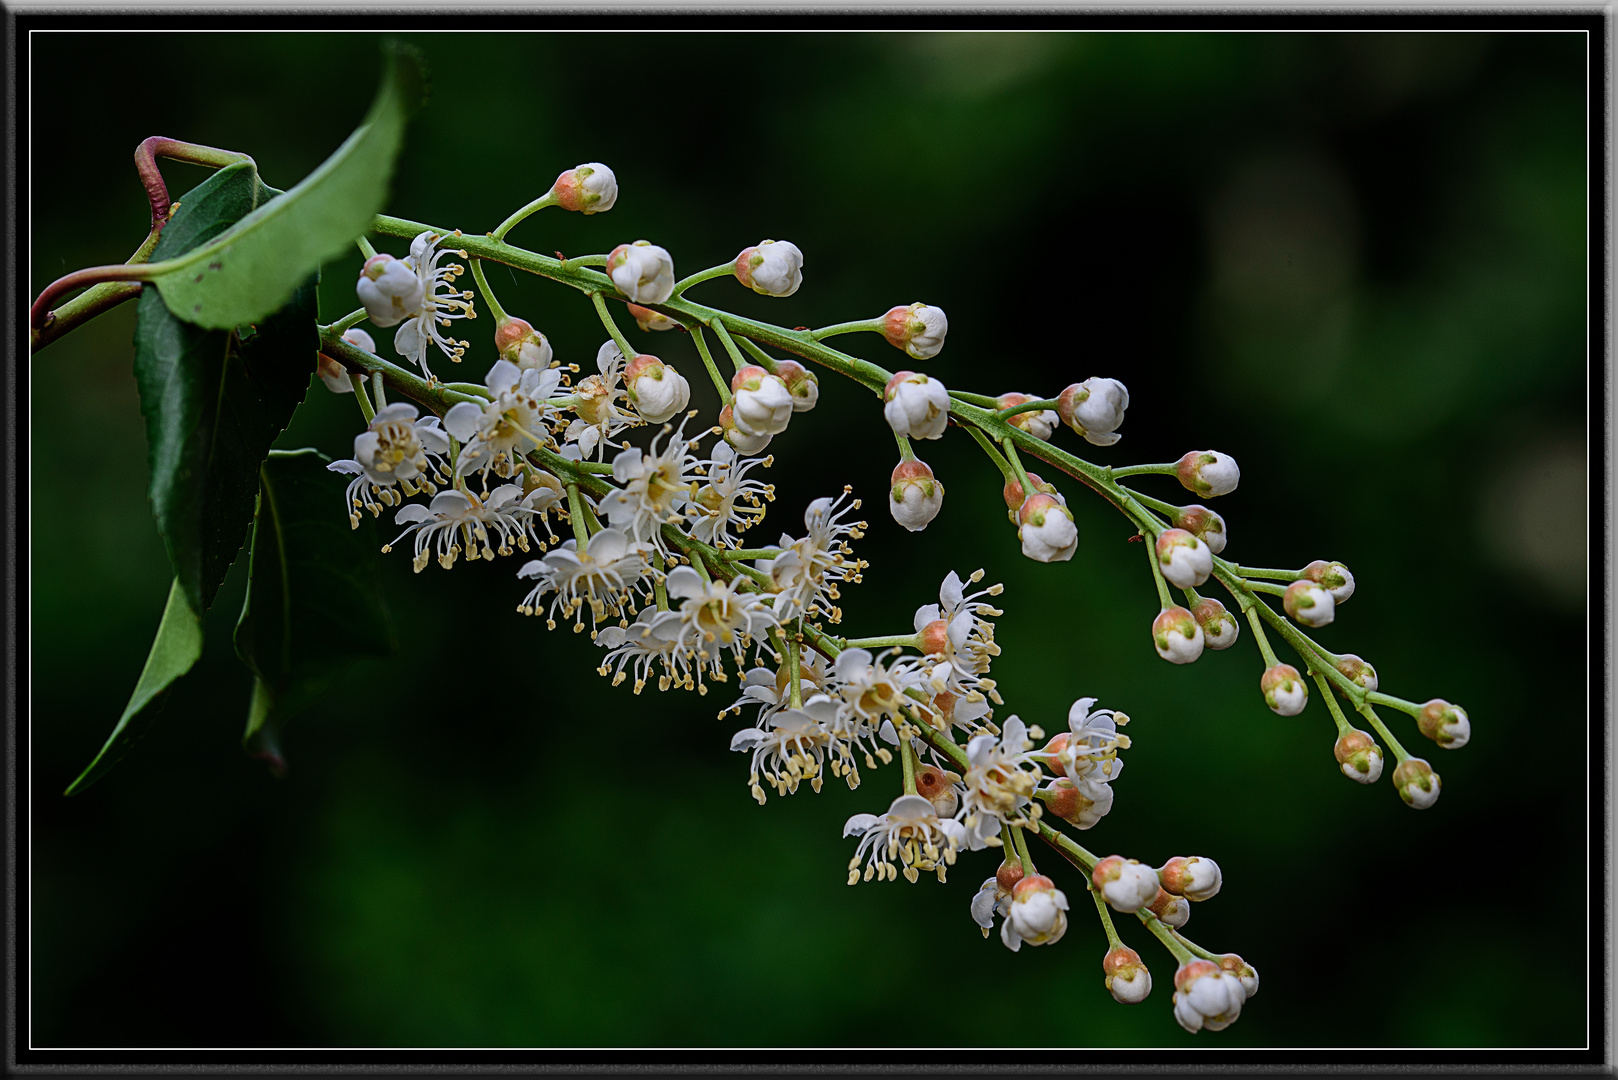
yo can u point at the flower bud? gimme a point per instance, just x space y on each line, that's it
1177 636
1417 783
1333 576
333 374
1357 671
1173 911
1309 604
762 404
642 271
588 189
742 442
360 340
1038 423
1127 978
1124 883
1013 493
1445 724
1207 996
801 384
1046 529
771 268
918 329
1244 972
1202 523
1285 692
916 406
521 344
916 495
1195 878
1011 871
655 389
390 289
1037 915
1220 628
1208 473
1359 757
935 785
1095 409
1080 805
934 638
1185 561
647 319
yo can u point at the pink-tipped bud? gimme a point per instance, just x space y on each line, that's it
1195 878
647 319
1080 805
1332 576
1124 883
1357 671
390 289
935 638
1208 473
800 382
1126 977
1010 873
1285 692
1202 523
1046 529
333 374
1309 604
918 329
916 406
1445 724
1220 628
742 442
1185 561
1176 636
1171 910
642 271
762 404
1417 783
915 495
1039 423
771 268
936 786
590 188
1037 913
1206 996
655 389
1359 757
1245 973
518 342
1094 409
1015 497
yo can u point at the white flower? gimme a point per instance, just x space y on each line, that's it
714 616
604 577
1445 724
999 784
771 690
1037 913
1206 996
873 689
390 290
440 303
762 404
728 500
396 448
958 641
1088 750
654 488
1126 977
655 389
915 496
650 639
1046 529
1176 636
1208 473
456 516
918 329
790 750
1417 783
1185 561
1124 883
1309 604
1040 423
910 833
1081 804
590 188
773 268
596 403
739 440
917 407
515 421
333 374
990 900
1095 409
1195 878
1284 690
642 271
1359 757
807 572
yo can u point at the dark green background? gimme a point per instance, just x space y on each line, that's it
1355 262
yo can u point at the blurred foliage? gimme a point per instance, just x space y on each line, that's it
1356 262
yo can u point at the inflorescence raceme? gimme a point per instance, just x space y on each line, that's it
647 555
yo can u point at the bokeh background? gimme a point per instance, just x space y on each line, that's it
1355 262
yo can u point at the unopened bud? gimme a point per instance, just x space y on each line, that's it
1202 523
647 319
1195 878
771 268
1039 423
936 786
1208 473
934 638
918 329
1220 628
801 384
1126 977
741 441
1309 604
915 406
333 374
1244 972
1357 671
642 271
1094 409
518 342
1124 883
1080 805
1417 783
1170 910
1037 914
1185 561
915 496
1013 493
1284 690
1046 529
390 289
1359 757
1333 576
1206 996
762 404
655 389
1176 636
590 188
1445 724
1011 871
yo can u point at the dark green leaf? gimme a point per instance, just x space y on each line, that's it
174 650
251 268
313 600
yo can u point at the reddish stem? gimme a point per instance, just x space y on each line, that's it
157 192
40 313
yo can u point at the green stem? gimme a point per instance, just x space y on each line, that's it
1022 852
905 453
379 391
1027 406
358 382
499 312
475 389
1400 754
659 590
1198 950
876 325
723 335
1259 572
1165 935
760 357
1016 467
1343 726
1159 505
707 360
575 513
93 301
981 400
346 323
1069 849
1376 697
907 757
997 457
1157 572
365 248
1133 470
616 334
704 275
735 554
912 641
1267 587
1258 632
547 199
1113 941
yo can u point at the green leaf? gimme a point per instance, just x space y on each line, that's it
174 650
250 269
313 598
